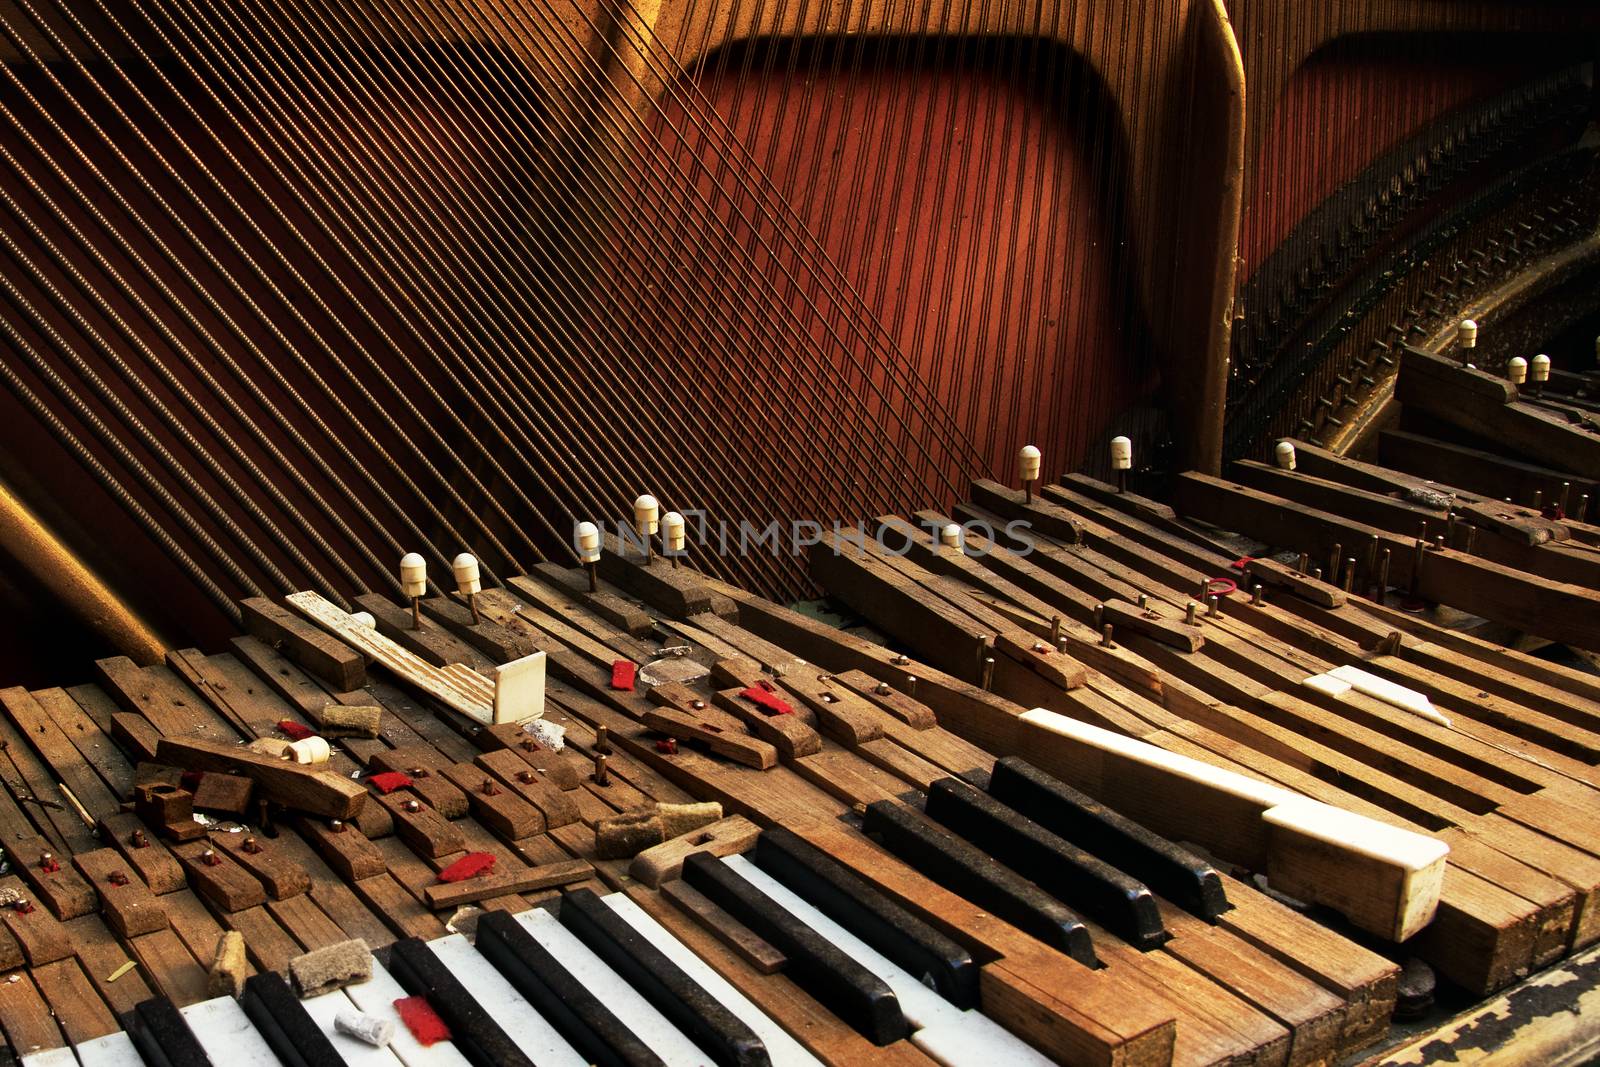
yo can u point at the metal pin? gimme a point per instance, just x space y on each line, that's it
601 775
602 739
988 672
1105 636
1450 528
1416 565
1383 574
210 858
251 845
1099 614
337 826
488 788
139 840
911 685
1349 573
1438 542
1372 557
1316 574
413 806
1189 613
1144 601
1305 561
1472 535
1213 607
525 777
1566 487
882 689
1255 595
1055 629
1583 508
1334 557
1538 500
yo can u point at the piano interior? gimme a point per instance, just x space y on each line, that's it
799 531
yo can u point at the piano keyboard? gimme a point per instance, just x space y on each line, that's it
880 889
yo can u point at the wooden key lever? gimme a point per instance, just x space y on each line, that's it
1382 878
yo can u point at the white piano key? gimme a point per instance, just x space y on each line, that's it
657 1032
954 1037
521 1022
376 996
112 1050
227 1034
783 1050
50 1057
356 1053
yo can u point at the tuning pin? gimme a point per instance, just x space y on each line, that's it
414 583
1028 470
1467 333
672 539
951 536
467 583
1284 454
646 520
587 536
1517 370
1539 373
1121 461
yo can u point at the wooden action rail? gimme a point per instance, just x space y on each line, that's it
1264 983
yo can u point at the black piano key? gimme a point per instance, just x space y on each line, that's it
162 1036
849 990
474 1032
577 1014
847 899
1175 873
971 872
1079 880
660 981
294 1035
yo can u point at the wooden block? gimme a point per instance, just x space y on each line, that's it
344 848
628 617
135 734
789 734
28 1025
891 701
545 761
400 911
223 792
291 785
741 748
322 655
546 876
512 771
126 902
665 861
42 937
218 878
282 876
493 805
426 831
63 889
426 782
755 951
842 714
139 848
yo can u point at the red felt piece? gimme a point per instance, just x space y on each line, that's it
623 672
469 866
388 781
1242 562
423 1022
767 702
295 731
